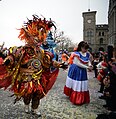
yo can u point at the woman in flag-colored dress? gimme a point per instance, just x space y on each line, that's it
77 82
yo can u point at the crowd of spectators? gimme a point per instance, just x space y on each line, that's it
105 72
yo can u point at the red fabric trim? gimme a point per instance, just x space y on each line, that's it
46 83
77 98
67 91
5 83
3 71
1 61
80 59
51 78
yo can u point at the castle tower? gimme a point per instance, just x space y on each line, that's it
89 28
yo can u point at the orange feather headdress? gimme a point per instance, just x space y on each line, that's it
35 30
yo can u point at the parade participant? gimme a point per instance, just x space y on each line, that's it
77 82
65 56
95 62
102 71
28 66
49 45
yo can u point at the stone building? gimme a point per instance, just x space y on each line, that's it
95 35
112 25
101 37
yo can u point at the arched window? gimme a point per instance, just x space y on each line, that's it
99 33
89 33
101 41
102 33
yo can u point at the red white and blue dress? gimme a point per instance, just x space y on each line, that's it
77 82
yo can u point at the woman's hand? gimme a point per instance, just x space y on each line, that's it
90 68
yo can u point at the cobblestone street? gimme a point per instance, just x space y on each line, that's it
55 105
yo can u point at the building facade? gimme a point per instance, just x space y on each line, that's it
101 40
112 24
95 35
89 28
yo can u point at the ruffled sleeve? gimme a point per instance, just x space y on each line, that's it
78 63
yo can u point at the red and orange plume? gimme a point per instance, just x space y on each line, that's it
35 30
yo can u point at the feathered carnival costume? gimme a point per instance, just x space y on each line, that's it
26 70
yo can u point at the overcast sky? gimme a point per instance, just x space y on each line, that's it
66 13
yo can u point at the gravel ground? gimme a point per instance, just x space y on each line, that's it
55 105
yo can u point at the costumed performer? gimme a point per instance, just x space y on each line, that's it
50 45
28 66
